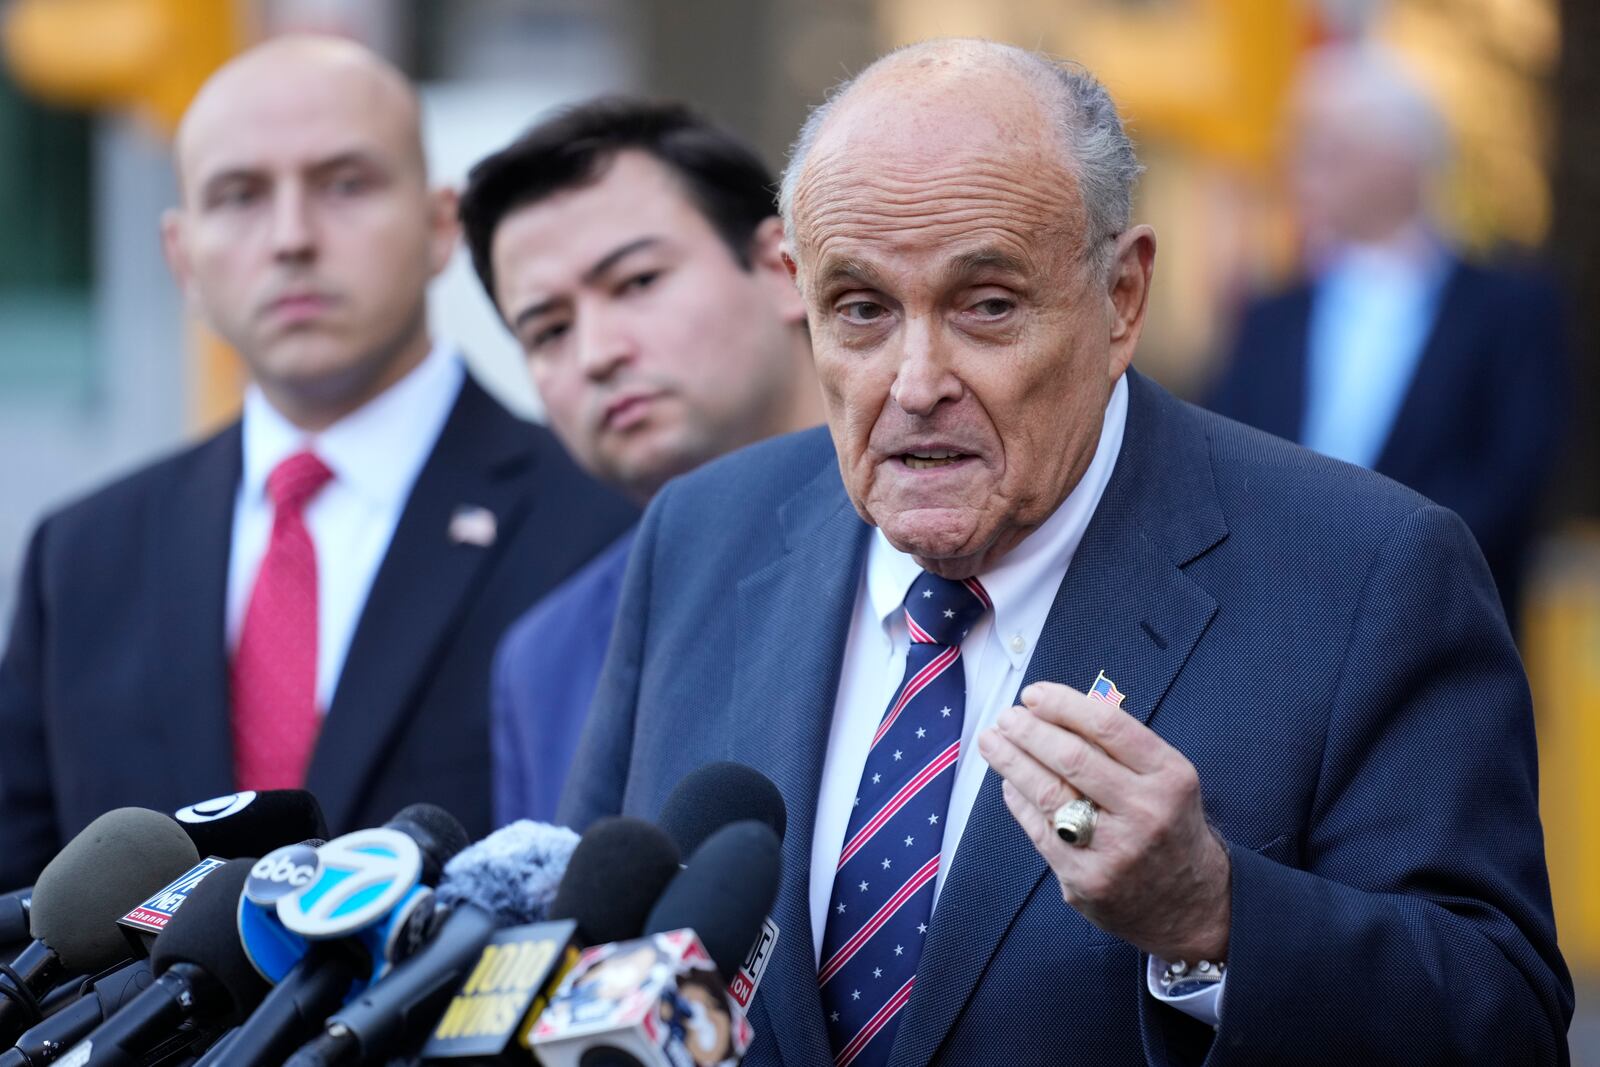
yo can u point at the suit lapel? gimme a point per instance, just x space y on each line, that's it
418 593
786 676
1437 374
1125 607
189 547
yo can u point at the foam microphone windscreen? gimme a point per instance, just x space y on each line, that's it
614 878
513 873
205 932
713 796
114 863
252 823
439 834
725 893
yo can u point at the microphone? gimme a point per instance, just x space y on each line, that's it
617 872
321 925
110 866
14 916
508 878
703 802
252 823
514 873
202 976
710 797
100 999
659 1000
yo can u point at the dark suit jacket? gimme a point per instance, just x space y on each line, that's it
1324 645
1480 425
545 674
114 688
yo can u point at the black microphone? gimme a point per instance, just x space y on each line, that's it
712 796
252 823
319 982
14 917
614 878
660 1000
724 893
108 868
99 1000
202 976
508 879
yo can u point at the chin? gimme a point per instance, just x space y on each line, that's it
933 533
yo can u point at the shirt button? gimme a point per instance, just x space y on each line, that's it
1019 643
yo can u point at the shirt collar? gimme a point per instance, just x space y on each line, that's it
1023 583
375 450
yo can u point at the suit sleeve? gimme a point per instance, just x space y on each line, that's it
507 746
1416 926
599 774
28 832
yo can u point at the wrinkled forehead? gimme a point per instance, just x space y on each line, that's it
896 172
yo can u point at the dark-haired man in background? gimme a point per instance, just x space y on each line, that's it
633 248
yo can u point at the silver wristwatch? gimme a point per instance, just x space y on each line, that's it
1180 979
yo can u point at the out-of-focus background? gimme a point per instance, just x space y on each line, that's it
101 368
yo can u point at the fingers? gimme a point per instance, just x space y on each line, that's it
1050 765
1121 736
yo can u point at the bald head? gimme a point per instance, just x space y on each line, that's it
307 234
964 97
289 77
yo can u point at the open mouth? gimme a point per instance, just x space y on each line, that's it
921 461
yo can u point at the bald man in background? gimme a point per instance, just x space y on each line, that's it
311 596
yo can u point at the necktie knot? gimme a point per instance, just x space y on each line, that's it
296 480
940 611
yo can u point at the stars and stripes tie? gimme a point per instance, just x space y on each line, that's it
274 676
883 889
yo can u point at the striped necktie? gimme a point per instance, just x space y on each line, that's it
883 888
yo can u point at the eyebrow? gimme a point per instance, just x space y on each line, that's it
849 270
603 264
985 259
255 172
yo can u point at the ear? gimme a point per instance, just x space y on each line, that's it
444 228
770 261
175 252
1128 294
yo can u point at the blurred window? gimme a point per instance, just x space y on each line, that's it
45 246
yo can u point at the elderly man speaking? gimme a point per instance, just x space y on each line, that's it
1268 793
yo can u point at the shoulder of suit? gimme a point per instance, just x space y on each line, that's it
1267 483
153 480
768 471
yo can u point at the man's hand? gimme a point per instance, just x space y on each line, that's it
1154 873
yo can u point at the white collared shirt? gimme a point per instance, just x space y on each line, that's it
375 453
994 657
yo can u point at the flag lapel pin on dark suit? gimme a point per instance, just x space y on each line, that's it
473 525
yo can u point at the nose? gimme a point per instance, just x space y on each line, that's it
293 234
604 344
925 377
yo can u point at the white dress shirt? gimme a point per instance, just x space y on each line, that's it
375 453
994 657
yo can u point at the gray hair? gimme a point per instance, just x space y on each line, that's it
1097 146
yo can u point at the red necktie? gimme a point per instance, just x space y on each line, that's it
275 717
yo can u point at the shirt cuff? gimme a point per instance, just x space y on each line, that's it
1205 1005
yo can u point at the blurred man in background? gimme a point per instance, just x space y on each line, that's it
311 596
1394 353
633 248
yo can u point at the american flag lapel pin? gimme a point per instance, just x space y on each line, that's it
473 525
1106 691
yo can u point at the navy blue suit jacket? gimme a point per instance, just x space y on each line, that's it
1480 426
546 672
1325 646
114 686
